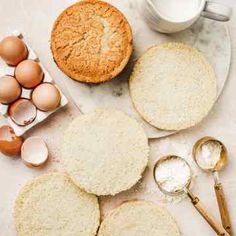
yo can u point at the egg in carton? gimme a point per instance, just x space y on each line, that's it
5 69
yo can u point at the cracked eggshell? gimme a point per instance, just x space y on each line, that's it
10 144
22 112
34 152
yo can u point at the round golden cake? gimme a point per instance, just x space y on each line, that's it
91 41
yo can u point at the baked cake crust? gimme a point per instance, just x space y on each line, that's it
91 41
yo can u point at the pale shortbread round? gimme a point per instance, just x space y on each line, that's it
139 218
173 86
52 205
91 41
105 152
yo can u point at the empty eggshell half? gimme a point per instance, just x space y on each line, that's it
10 144
22 112
10 89
46 97
29 73
13 50
34 152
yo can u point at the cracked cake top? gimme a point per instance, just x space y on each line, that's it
91 41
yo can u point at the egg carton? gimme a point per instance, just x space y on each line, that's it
26 93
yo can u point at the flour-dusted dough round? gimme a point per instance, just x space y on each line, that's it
52 205
172 86
105 152
139 218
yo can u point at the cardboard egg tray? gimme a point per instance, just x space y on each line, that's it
26 93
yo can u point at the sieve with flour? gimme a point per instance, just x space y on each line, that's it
211 155
173 175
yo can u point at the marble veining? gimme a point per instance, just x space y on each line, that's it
35 18
210 37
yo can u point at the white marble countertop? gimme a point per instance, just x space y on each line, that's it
34 18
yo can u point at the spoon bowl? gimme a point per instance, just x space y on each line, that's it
223 155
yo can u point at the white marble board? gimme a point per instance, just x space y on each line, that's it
210 37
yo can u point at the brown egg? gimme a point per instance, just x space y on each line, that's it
22 112
13 50
29 73
34 152
46 97
10 144
10 89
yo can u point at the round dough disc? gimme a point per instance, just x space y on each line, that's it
139 218
91 41
172 86
53 205
105 152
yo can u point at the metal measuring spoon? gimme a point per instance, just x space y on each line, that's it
219 165
184 189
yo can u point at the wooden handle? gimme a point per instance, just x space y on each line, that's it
224 213
211 221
